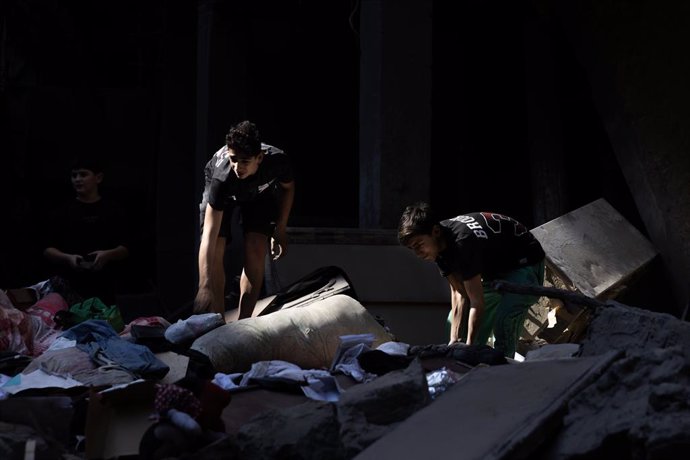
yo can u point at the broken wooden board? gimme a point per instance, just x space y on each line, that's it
594 248
494 412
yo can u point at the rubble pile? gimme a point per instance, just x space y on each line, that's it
632 403
323 378
639 407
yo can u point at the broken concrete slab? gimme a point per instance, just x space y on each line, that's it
368 411
316 429
593 251
493 412
308 430
553 351
594 248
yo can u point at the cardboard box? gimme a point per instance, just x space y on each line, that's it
177 363
117 419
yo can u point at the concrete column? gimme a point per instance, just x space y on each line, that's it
395 108
221 77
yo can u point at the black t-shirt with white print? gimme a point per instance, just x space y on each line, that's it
225 188
486 243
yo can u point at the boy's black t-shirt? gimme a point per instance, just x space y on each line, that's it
81 228
225 188
488 244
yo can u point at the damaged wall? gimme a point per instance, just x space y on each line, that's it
634 55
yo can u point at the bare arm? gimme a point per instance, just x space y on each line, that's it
76 261
102 257
57 256
475 294
458 302
207 250
285 200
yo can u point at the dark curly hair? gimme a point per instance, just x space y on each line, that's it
417 219
90 162
243 138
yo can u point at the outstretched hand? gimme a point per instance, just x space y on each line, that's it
276 249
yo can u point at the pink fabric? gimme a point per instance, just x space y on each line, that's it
46 308
144 321
16 328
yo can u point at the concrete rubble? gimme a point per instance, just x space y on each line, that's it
623 392
613 381
629 399
341 430
638 408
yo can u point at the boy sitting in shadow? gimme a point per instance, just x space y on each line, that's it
87 238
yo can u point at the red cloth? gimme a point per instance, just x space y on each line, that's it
144 321
46 308
213 400
169 396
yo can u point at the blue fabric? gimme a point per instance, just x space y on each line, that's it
99 339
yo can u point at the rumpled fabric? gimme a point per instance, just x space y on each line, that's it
16 328
99 339
184 331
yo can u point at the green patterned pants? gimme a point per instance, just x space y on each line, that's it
504 314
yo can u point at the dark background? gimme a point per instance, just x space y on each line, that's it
153 86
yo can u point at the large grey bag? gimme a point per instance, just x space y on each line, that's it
306 336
